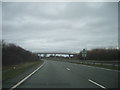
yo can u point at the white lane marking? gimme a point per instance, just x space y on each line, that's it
97 84
68 69
100 68
16 85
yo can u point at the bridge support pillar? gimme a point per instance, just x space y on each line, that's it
45 55
39 56
69 56
55 55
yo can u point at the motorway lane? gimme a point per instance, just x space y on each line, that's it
55 74
108 78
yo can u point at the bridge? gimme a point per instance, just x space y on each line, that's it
55 53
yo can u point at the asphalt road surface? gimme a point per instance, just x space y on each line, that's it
56 74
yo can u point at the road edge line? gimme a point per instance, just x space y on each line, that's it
20 82
101 68
97 84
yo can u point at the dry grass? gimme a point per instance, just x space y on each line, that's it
11 71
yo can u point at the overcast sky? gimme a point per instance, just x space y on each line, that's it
61 27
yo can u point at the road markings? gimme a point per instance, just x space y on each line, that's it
97 84
16 85
101 68
68 69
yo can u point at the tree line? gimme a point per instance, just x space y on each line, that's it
101 54
13 54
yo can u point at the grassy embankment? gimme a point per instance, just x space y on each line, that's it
11 71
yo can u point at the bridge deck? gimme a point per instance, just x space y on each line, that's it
57 53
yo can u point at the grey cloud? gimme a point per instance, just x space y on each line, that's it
60 26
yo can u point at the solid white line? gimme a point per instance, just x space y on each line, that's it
16 85
96 84
100 68
68 69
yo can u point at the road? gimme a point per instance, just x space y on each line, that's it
56 74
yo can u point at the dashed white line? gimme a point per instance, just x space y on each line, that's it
68 69
16 85
96 84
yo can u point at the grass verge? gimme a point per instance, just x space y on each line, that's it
113 67
11 71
